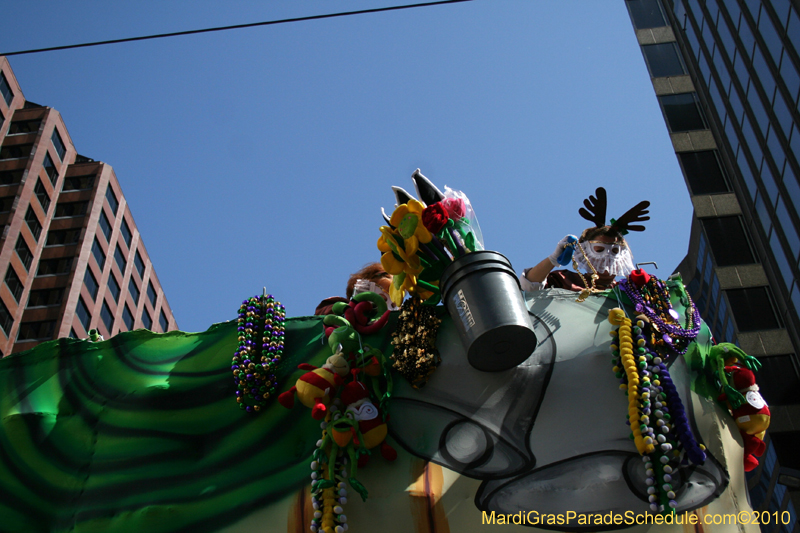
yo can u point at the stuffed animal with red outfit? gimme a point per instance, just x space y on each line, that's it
372 428
746 404
317 387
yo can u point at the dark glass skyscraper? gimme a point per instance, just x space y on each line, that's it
727 77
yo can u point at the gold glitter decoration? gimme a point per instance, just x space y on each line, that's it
415 355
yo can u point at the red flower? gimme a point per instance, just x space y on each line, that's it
434 217
455 207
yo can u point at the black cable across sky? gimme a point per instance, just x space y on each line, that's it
236 27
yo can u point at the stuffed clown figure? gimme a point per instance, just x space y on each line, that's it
746 404
372 427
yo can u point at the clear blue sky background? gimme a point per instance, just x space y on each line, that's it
262 157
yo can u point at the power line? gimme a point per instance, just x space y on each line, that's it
236 27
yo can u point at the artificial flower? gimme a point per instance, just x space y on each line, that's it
401 283
407 218
399 255
455 207
435 217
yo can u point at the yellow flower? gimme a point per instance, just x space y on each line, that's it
407 218
394 248
401 283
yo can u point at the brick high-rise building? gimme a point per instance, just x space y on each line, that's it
727 77
70 254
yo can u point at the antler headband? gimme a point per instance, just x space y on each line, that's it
595 212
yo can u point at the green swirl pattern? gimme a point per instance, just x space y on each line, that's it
142 432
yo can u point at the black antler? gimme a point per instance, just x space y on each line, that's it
596 208
635 214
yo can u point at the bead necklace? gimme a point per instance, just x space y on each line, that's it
588 290
254 363
653 300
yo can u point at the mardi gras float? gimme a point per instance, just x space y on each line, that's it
608 408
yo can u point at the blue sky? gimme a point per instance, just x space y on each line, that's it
262 157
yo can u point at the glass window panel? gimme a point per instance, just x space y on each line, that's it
71 209
105 226
787 225
16 151
63 237
77 183
752 142
782 9
755 8
33 223
162 320
50 169
33 331
680 13
682 112
790 78
763 215
23 252
133 290
646 14
793 30
693 41
663 60
746 36
24 126
728 241
733 11
13 283
54 267
151 293
5 89
780 259
781 110
91 283
6 320
126 232
11 177
764 73
42 196
717 100
792 187
45 298
752 308
137 260
707 274
736 105
98 254
778 380
703 172
722 71
107 317
742 74
112 200
119 257
113 287
58 144
127 317
770 184
794 142
758 110
713 11
775 149
771 38
147 321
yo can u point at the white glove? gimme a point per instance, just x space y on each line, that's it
559 249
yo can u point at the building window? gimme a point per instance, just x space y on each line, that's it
24 126
703 172
137 260
63 237
682 112
646 14
11 177
43 197
112 200
162 320
778 380
5 90
71 209
83 314
24 252
98 254
5 204
146 320
113 287
72 334
133 290
151 294
105 225
45 298
14 284
16 151
33 223
36 331
50 168
58 144
78 183
6 320
663 60
752 308
126 232
91 283
728 241
127 317
107 317
119 257
54 267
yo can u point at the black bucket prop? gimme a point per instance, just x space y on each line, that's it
482 294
